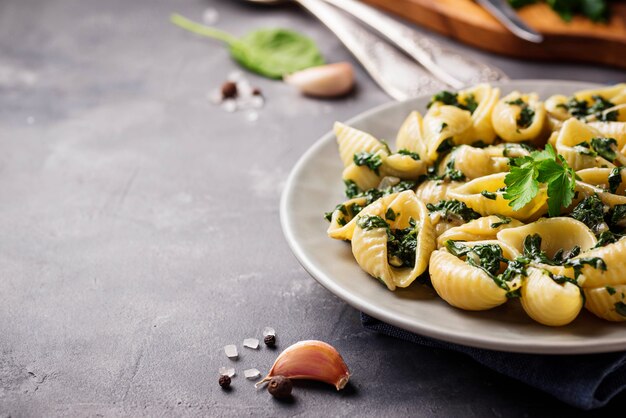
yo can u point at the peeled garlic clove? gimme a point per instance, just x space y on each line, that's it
324 81
314 360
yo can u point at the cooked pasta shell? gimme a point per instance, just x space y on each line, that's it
369 246
443 123
506 116
462 285
603 302
470 193
613 257
572 133
404 167
615 94
485 228
434 191
410 136
478 162
615 130
555 106
549 302
596 181
352 141
556 234
486 97
343 219
361 175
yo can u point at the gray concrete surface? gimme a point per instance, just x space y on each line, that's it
139 227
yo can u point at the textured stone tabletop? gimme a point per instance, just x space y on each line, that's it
139 226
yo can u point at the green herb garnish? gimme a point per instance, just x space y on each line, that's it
610 290
454 209
590 211
596 10
268 52
522 182
620 308
615 179
605 147
411 154
368 222
452 99
504 220
371 161
488 195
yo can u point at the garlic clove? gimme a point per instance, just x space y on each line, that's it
314 360
330 80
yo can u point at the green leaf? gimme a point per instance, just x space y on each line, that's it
521 186
268 52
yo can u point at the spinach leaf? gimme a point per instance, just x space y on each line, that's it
590 211
411 154
371 161
451 209
605 147
402 246
615 179
268 52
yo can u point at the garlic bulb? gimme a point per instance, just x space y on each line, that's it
314 360
330 80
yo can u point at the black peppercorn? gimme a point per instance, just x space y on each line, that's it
229 90
256 92
280 387
270 340
224 382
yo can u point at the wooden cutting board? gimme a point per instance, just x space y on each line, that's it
578 40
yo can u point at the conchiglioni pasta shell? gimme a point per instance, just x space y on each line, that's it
344 232
434 191
615 94
369 247
470 194
479 162
487 97
548 302
404 167
616 130
504 118
362 176
571 134
443 122
555 107
613 256
410 136
601 302
352 141
584 189
462 285
556 234
477 230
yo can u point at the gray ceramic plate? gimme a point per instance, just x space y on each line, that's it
314 187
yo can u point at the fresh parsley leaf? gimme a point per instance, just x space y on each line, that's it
522 182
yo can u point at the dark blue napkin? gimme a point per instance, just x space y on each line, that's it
583 381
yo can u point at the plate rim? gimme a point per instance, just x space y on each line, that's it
363 305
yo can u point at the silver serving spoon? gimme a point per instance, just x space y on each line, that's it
398 75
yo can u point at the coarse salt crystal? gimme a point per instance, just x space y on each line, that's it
257 101
215 97
227 371
231 351
269 331
252 116
251 343
244 89
235 76
210 16
251 374
229 105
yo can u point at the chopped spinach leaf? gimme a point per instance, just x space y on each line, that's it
615 179
504 220
453 209
368 222
590 211
411 154
488 195
620 308
352 190
610 290
390 215
605 147
371 161
402 246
